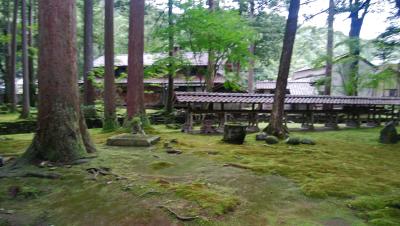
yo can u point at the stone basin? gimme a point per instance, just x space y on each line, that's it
132 140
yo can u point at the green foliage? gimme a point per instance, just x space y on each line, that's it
165 65
223 32
110 124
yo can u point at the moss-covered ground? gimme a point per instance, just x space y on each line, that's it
348 178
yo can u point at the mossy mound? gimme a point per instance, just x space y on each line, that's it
308 141
158 165
211 198
293 141
271 140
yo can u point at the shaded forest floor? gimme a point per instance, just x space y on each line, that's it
346 179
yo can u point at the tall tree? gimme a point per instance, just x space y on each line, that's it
25 67
211 68
13 60
276 126
62 134
329 47
89 91
358 10
110 117
5 48
250 78
171 72
32 85
135 96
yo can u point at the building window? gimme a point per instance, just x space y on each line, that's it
390 93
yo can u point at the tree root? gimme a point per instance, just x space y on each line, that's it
104 172
177 216
149 193
237 166
32 174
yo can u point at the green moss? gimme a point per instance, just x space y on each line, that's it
110 124
158 165
214 199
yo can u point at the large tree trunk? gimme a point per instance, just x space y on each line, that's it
171 72
61 135
250 78
110 118
13 60
329 48
135 96
276 126
6 49
32 85
89 91
25 67
357 21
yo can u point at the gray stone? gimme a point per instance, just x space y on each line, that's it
261 136
234 133
271 140
389 134
132 140
293 141
253 129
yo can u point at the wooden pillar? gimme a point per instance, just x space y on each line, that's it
393 108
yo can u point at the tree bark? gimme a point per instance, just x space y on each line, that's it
6 27
329 48
61 135
110 118
276 126
211 67
25 67
357 21
250 78
135 96
89 91
32 85
171 73
13 60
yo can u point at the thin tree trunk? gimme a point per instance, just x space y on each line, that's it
329 48
25 67
276 126
89 91
61 135
211 67
250 78
354 44
13 60
32 85
110 118
135 96
171 72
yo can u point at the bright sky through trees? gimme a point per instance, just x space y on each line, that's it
375 21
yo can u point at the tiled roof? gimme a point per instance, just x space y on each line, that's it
295 88
195 59
192 80
204 97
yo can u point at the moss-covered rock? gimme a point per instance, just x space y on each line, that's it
293 141
271 140
261 136
308 141
389 134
